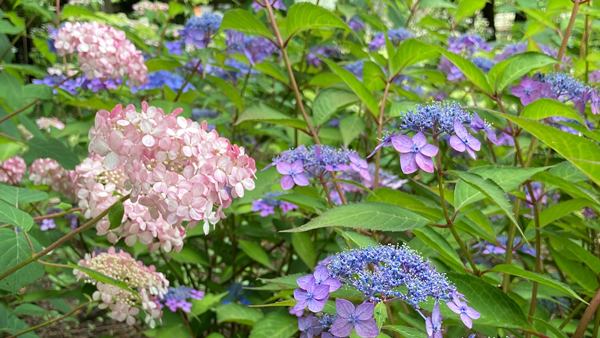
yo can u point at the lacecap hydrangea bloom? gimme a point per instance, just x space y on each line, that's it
316 160
178 298
102 51
174 166
382 273
198 31
12 170
144 286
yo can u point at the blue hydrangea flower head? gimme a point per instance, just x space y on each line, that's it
356 68
438 116
484 64
468 43
377 272
198 31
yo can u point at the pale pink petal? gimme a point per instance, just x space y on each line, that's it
408 163
457 143
402 143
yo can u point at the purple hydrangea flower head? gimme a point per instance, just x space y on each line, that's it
528 90
256 49
358 318
510 50
468 43
433 324
198 31
47 224
156 80
484 64
467 314
356 68
177 298
463 140
396 36
267 205
437 117
309 326
565 88
594 76
589 213
452 72
293 174
356 24
377 42
319 277
329 52
277 4
232 71
499 248
96 85
70 86
314 296
416 153
175 47
378 272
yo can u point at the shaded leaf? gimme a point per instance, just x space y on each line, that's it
245 22
13 250
329 101
303 16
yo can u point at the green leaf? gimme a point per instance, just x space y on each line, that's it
513 68
27 69
12 325
359 239
209 300
189 255
15 196
559 210
8 28
162 63
351 127
14 216
357 87
175 9
96 103
305 202
439 243
13 250
507 178
410 52
471 72
501 312
272 70
520 272
256 252
261 112
373 77
34 91
245 22
578 251
30 310
467 8
52 148
228 90
491 190
369 215
576 271
275 325
406 332
329 101
568 187
304 247
95 275
583 153
380 314
237 313
115 215
304 16
544 108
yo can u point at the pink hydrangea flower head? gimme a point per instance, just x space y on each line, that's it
102 51
46 171
124 304
12 170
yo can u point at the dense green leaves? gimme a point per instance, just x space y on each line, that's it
238 313
410 52
255 252
303 16
329 101
544 108
513 68
243 21
275 325
351 127
373 216
16 196
52 148
518 271
305 248
230 91
14 250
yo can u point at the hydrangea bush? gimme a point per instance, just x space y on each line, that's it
276 169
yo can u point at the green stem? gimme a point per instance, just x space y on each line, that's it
59 242
188 80
380 133
538 260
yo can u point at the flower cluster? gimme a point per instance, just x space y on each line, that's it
396 36
48 172
177 298
277 4
267 205
312 58
256 49
12 170
316 160
103 51
174 166
144 286
558 86
156 80
198 31
438 117
45 123
141 7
